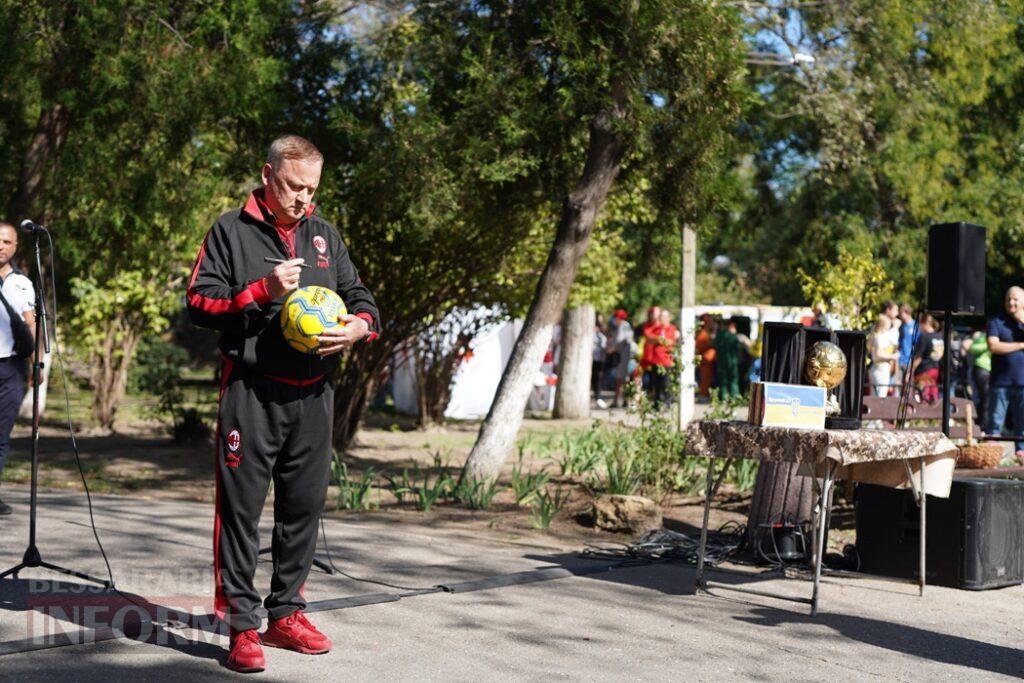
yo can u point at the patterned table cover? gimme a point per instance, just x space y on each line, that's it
866 455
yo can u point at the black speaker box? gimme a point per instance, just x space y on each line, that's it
956 268
784 349
975 537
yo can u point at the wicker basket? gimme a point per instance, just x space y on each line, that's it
979 456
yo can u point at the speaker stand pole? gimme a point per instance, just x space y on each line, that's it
947 369
32 557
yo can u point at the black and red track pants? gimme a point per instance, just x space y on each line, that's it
268 431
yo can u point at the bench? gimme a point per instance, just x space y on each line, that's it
886 409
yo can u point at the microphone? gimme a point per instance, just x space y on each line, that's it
32 228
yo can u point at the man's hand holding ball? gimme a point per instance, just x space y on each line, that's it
335 339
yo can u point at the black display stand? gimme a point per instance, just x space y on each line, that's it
784 352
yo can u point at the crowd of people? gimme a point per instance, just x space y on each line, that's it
988 364
647 353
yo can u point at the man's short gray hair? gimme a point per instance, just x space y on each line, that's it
293 147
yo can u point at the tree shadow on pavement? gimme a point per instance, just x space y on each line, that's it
909 640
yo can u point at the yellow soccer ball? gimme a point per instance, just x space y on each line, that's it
307 312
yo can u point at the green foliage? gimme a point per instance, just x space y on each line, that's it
526 485
353 494
476 495
908 116
400 485
427 487
577 452
644 459
744 473
129 296
724 409
109 321
122 123
854 288
547 505
159 372
622 470
428 493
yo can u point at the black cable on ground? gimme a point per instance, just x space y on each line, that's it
662 544
330 561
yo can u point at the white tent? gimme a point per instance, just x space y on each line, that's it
475 381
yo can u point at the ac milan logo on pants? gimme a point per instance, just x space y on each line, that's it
233 457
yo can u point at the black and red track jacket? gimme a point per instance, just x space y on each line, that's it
228 290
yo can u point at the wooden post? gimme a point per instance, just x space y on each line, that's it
687 325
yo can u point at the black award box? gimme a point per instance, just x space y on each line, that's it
784 349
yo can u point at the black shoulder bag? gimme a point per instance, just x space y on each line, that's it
24 342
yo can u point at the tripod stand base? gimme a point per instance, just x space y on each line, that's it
319 564
32 559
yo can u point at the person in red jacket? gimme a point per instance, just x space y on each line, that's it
660 339
276 406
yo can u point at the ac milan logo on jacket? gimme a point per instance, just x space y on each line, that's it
320 243
234 440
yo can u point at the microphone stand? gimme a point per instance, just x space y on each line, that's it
32 557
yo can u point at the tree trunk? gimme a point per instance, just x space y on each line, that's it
497 436
437 359
111 371
40 158
356 384
572 399
780 494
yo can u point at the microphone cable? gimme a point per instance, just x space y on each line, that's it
67 408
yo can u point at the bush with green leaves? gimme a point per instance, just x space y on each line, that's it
158 372
577 453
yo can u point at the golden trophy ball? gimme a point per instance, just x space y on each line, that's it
826 367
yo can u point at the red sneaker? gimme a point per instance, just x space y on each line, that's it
246 652
294 632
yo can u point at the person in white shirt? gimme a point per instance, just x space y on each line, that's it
883 352
20 295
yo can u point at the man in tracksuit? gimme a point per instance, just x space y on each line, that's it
276 403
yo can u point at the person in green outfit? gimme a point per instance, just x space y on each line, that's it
977 346
727 362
